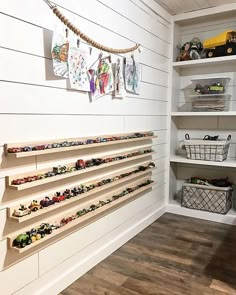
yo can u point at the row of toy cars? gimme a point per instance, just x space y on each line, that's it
80 164
67 194
33 235
76 143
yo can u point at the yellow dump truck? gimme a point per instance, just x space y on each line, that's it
221 45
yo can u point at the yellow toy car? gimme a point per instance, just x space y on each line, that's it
222 45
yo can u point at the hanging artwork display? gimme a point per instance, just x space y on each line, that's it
101 77
132 75
78 68
60 49
119 80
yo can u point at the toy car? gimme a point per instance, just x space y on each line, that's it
34 206
59 169
22 211
21 241
45 228
222 45
15 150
18 181
70 169
56 145
80 164
151 165
50 174
27 149
90 141
46 202
58 198
34 235
41 176
31 178
64 221
39 147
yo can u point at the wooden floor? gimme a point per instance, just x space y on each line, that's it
174 255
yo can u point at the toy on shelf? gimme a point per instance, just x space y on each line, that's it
34 206
46 202
190 50
223 44
22 211
33 235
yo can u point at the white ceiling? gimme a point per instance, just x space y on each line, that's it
181 6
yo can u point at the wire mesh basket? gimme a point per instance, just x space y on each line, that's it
207 198
207 150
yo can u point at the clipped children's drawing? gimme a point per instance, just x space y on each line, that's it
132 75
101 77
119 80
60 49
78 68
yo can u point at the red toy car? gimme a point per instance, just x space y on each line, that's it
39 147
19 181
64 221
58 198
14 150
80 164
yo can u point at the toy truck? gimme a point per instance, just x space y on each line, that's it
221 45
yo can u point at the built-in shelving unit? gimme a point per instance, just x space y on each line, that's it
185 76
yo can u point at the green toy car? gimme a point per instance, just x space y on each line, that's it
22 240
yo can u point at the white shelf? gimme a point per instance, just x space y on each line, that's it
201 114
175 207
205 62
181 159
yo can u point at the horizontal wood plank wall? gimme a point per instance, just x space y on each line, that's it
37 106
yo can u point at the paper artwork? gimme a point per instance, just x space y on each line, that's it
101 77
119 80
78 68
132 75
60 49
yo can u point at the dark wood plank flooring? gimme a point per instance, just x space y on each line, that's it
175 255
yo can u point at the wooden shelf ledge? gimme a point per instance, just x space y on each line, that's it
81 221
79 198
71 174
72 148
182 159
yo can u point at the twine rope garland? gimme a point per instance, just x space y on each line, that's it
86 38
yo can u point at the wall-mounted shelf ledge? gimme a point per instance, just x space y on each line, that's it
181 159
71 174
202 114
81 221
80 197
72 148
205 62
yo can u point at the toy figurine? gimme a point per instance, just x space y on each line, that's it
195 48
58 198
34 206
185 52
22 211
46 202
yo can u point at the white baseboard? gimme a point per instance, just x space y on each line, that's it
177 209
70 270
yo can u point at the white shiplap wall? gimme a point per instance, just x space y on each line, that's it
35 105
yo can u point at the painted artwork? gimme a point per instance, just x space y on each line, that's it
78 68
101 77
132 75
119 80
60 50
